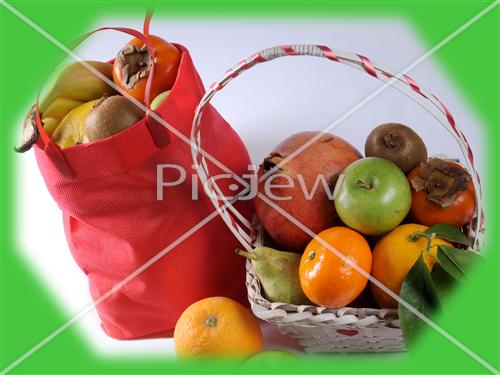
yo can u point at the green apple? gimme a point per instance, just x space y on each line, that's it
372 196
159 99
273 359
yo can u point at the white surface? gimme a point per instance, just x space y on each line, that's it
264 105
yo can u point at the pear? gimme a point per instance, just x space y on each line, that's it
278 272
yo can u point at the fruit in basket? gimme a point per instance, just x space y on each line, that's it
372 195
397 143
217 326
72 129
394 255
442 193
110 115
278 272
133 64
327 274
156 102
78 83
305 188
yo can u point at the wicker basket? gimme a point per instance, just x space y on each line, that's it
320 329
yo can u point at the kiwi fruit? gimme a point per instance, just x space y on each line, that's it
111 115
397 143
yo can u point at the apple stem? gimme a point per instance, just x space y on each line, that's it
245 254
363 184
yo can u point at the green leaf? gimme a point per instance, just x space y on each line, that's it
418 290
449 233
455 261
443 281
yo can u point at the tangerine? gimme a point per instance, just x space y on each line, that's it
393 257
327 269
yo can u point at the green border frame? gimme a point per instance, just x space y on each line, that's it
28 312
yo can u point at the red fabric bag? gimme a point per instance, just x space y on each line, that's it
114 223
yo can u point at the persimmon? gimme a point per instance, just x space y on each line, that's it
133 65
442 193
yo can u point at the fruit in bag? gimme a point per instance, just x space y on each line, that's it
76 82
56 111
159 99
72 129
110 115
133 64
74 86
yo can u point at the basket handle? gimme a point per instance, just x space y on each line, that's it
404 83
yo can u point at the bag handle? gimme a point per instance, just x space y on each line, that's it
54 152
402 82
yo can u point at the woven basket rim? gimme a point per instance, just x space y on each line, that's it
388 316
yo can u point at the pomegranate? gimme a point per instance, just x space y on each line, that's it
303 186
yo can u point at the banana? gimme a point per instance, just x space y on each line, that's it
50 125
72 129
76 82
60 107
30 133
56 111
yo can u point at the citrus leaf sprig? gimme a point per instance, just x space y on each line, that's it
425 290
419 291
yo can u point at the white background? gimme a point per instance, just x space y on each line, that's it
264 105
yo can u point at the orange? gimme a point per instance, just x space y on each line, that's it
327 279
217 326
393 257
